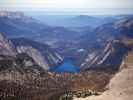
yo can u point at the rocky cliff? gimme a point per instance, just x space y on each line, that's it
6 47
121 85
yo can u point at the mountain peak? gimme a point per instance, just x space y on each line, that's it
9 14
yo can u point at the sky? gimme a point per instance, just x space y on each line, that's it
65 5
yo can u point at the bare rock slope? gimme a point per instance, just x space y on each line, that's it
121 85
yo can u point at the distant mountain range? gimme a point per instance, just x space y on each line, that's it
76 20
82 43
27 27
118 29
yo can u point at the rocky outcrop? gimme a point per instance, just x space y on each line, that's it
6 47
121 85
108 58
79 94
32 52
42 54
11 59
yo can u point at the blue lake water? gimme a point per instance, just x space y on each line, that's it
65 66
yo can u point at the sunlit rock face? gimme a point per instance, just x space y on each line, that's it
40 53
108 58
6 47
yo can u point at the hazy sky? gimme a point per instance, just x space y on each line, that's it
64 5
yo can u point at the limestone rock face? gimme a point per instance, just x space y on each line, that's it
6 47
107 58
42 54
121 85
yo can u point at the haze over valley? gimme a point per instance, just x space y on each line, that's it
60 53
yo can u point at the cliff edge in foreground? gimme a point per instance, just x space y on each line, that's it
121 85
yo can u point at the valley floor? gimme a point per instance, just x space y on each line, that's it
121 85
